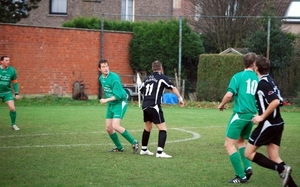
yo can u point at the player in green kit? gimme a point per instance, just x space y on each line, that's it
8 77
116 97
242 88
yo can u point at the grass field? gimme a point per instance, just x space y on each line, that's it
64 143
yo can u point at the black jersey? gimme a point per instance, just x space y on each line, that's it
153 88
267 91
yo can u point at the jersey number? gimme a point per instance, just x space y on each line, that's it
149 89
251 86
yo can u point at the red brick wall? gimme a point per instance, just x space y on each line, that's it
48 60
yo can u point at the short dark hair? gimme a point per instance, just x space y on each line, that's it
102 61
263 65
249 59
2 58
156 65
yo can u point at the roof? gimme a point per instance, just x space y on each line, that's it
230 51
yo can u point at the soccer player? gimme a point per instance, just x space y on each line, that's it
152 88
8 77
116 97
242 87
270 124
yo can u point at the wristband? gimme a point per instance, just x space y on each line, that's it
16 94
180 99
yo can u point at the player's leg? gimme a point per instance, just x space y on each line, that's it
246 162
9 100
113 136
273 153
111 132
162 137
157 117
233 134
146 135
265 134
119 111
242 146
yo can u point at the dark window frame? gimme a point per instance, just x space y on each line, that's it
57 13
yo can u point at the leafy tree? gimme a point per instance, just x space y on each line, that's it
12 11
282 48
160 41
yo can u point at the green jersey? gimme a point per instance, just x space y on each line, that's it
243 87
112 86
6 77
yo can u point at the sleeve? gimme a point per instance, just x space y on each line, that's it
268 91
168 83
142 88
16 88
15 82
118 90
232 87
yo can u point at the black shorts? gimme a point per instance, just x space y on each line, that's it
154 114
266 133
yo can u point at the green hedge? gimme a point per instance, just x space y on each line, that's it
215 72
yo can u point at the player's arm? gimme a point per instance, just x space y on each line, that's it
180 99
227 97
16 88
272 106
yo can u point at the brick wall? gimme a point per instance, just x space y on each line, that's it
110 8
49 60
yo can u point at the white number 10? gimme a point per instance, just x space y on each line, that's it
251 86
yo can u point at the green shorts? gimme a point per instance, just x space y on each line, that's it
6 96
240 125
116 110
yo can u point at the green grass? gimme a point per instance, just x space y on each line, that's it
64 143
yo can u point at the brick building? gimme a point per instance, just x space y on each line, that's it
55 12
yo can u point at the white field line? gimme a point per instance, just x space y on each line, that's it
195 136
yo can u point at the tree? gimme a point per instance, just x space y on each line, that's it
282 48
160 41
225 23
12 11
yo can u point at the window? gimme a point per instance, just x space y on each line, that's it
198 11
176 4
232 8
58 6
127 12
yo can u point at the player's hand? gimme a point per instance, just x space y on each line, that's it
102 101
17 96
257 119
181 103
221 107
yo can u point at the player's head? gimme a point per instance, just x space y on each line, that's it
249 60
262 65
102 61
3 57
5 61
156 66
103 66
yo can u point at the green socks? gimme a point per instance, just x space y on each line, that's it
13 116
246 161
235 160
128 137
115 139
